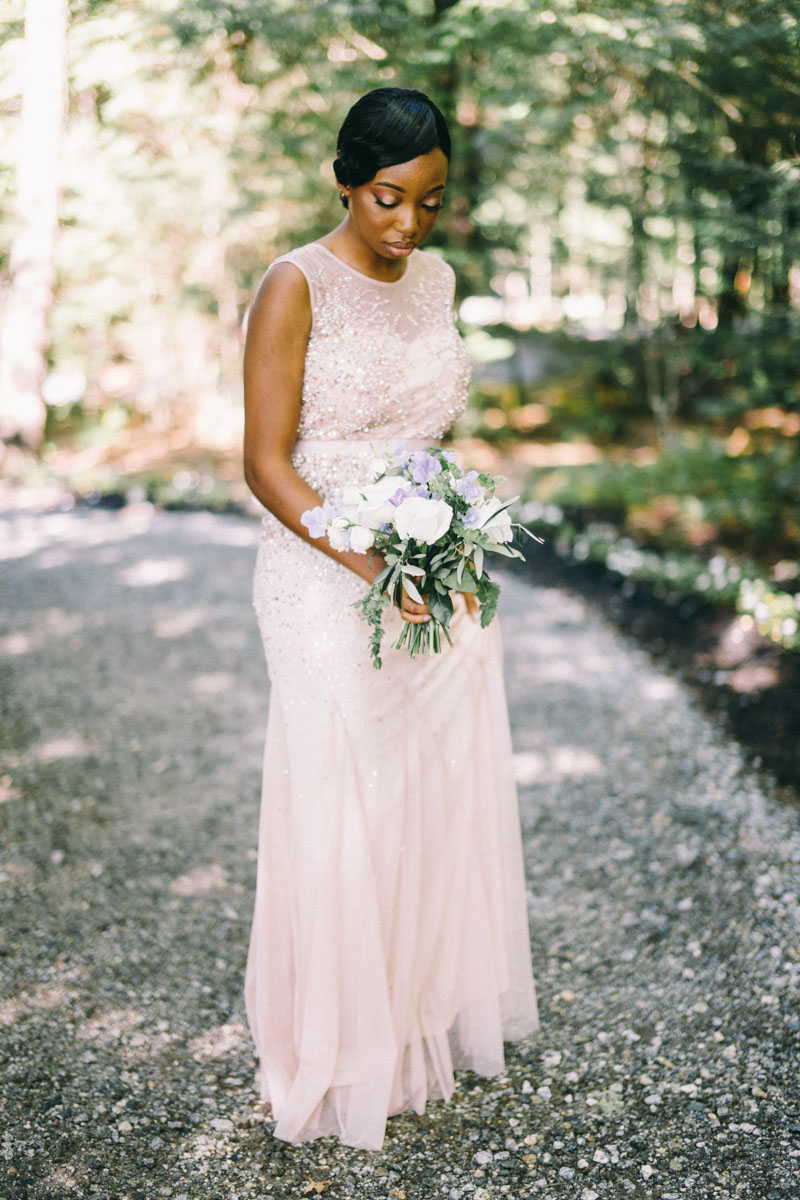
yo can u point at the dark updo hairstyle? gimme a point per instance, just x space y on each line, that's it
387 126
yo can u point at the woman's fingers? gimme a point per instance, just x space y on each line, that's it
412 610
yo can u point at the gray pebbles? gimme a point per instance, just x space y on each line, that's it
663 873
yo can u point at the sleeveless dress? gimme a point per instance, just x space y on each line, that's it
389 941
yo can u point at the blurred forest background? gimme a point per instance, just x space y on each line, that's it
622 213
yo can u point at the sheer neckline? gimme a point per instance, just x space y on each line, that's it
380 282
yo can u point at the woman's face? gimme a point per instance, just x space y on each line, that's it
397 209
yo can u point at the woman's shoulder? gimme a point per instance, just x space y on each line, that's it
305 257
309 273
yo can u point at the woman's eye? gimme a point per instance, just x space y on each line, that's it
427 207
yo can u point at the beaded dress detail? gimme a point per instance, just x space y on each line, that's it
389 943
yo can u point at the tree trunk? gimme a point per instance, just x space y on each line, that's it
24 340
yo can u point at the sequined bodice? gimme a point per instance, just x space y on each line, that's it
384 359
384 363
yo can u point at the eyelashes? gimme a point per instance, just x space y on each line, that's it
427 207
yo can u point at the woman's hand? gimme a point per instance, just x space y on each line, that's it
412 610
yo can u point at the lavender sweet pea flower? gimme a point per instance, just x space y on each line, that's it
469 488
315 521
472 518
399 496
420 490
397 453
331 509
450 455
423 466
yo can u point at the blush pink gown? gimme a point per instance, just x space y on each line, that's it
389 940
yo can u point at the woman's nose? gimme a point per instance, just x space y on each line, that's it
408 223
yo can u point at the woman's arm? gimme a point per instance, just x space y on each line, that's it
277 334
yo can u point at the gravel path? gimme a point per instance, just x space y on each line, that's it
663 900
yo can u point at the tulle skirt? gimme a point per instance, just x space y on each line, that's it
389 942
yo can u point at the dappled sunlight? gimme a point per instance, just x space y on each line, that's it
74 1176
570 611
143 1044
753 677
51 560
557 762
199 880
212 683
219 1041
200 1146
49 623
26 533
178 624
109 1026
16 643
736 644
214 532
556 670
73 746
8 792
659 687
24 1003
150 572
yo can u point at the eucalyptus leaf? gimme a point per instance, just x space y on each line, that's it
411 590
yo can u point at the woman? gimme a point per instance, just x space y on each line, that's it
389 942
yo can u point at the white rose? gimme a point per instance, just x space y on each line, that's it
377 467
338 534
497 526
375 509
352 497
422 519
361 539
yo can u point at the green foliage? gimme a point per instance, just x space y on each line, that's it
488 595
735 583
646 153
371 608
696 493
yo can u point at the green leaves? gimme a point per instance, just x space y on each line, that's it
372 606
441 607
488 595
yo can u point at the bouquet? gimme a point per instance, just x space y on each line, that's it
433 523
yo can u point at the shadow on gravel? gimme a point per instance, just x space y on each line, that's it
751 684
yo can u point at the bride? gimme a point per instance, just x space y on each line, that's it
389 942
